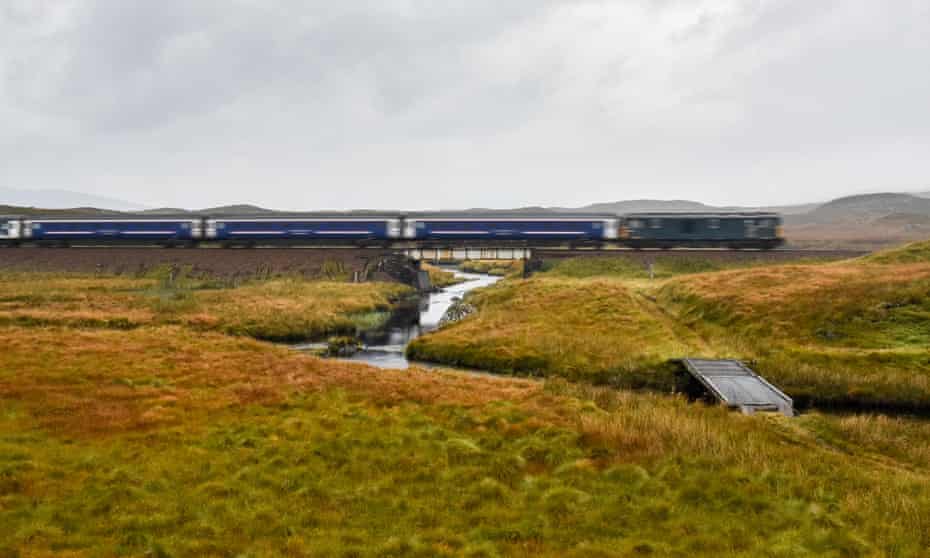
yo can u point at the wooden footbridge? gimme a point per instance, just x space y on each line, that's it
735 385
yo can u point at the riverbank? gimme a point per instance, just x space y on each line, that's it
846 334
278 309
384 344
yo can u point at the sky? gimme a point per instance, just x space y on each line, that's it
426 104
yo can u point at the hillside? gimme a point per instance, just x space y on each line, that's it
865 208
869 221
62 199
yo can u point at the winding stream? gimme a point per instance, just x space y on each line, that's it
384 346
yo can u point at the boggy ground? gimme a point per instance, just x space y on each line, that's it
843 334
164 441
279 309
168 437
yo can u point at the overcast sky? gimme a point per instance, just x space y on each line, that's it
493 103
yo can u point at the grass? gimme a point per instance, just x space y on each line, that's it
500 268
607 266
603 334
440 277
170 436
220 445
909 253
842 334
281 309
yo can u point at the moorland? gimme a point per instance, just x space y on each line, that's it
156 416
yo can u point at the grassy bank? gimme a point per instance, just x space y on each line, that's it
849 334
440 277
843 334
500 268
279 309
164 441
594 330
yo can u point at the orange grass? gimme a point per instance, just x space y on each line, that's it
281 309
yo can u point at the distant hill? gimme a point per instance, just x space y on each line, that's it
632 206
63 199
240 209
74 211
865 208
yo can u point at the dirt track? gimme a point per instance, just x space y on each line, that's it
214 262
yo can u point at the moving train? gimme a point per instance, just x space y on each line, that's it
757 230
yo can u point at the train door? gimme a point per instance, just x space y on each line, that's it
750 229
688 228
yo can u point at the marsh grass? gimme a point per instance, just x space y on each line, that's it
440 277
851 334
173 438
215 445
280 309
500 268
596 330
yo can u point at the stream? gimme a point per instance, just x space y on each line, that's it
384 346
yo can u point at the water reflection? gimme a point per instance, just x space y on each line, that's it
384 347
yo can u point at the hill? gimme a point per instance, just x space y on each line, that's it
632 206
865 208
63 199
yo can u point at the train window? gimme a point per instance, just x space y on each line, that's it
713 223
655 223
636 224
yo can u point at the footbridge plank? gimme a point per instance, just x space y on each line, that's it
735 385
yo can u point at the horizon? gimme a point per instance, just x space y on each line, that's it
555 104
116 204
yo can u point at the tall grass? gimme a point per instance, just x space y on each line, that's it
848 334
281 308
844 334
157 441
596 330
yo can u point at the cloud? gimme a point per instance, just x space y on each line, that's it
424 104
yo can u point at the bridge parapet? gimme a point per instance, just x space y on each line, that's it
465 253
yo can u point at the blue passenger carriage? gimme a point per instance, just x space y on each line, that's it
511 227
303 229
124 229
700 230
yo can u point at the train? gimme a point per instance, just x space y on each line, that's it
736 230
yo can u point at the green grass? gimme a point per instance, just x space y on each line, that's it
595 330
441 278
619 266
500 268
915 252
174 438
284 454
848 334
844 334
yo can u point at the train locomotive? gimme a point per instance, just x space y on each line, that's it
740 230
